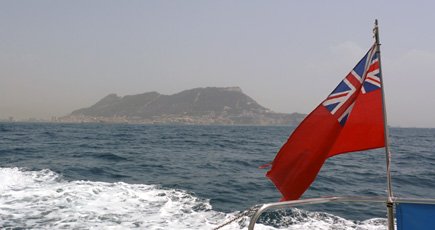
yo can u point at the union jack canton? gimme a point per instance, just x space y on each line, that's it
364 78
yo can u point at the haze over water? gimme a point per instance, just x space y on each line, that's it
60 56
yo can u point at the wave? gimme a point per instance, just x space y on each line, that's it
44 200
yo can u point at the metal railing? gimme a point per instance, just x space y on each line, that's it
288 204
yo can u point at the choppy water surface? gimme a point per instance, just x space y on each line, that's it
187 177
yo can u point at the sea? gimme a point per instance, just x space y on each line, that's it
125 176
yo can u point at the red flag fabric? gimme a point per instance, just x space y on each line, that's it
349 119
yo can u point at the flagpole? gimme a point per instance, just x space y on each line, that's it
390 211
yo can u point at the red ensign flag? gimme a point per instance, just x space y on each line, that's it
349 119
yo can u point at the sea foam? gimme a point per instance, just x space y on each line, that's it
43 200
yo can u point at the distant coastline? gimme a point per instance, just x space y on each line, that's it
199 106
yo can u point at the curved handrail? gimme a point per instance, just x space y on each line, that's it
286 204
374 199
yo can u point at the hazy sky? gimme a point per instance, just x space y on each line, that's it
58 56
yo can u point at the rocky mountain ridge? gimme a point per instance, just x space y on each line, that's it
211 105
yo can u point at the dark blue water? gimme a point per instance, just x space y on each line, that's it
217 165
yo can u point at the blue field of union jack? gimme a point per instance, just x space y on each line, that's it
364 78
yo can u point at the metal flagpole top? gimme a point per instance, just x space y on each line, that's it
376 33
390 211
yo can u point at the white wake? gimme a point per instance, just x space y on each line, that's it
43 200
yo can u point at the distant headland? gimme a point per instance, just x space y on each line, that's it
205 106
